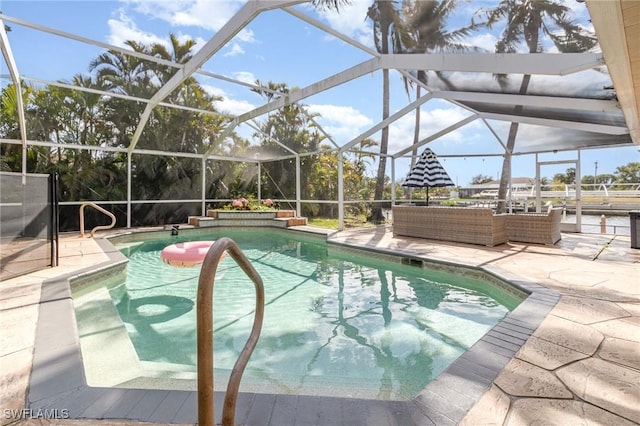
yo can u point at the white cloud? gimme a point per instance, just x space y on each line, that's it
235 50
123 29
226 104
234 106
245 77
207 14
342 114
343 123
246 35
213 90
483 41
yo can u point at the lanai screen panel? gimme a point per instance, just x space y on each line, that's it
577 100
532 139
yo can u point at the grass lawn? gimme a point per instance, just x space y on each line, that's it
331 223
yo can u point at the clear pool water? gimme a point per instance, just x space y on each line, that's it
336 323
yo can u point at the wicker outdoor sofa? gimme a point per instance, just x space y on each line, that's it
537 228
476 225
461 224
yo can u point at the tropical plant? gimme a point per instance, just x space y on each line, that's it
480 179
528 22
629 173
10 154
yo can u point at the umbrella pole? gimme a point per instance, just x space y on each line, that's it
427 196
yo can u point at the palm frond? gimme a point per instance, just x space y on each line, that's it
330 4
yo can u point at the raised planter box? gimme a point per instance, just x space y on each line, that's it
277 218
250 214
242 214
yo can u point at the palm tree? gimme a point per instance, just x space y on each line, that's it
388 28
122 73
180 53
426 24
527 22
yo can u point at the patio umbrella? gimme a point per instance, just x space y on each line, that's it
427 173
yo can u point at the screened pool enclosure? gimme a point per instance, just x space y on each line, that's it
158 129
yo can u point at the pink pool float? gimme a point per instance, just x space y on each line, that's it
187 254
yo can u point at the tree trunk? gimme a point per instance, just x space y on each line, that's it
385 22
506 163
376 211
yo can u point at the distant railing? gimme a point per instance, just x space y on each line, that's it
566 191
606 227
97 228
611 190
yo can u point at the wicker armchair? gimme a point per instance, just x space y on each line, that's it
537 228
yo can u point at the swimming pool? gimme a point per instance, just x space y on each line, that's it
337 322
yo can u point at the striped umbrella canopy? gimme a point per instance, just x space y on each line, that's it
427 173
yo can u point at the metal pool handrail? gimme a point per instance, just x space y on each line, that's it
100 209
206 411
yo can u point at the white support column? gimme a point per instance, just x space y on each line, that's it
259 181
24 156
538 187
340 191
393 181
298 188
129 190
510 190
204 186
578 195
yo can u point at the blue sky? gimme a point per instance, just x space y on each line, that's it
279 47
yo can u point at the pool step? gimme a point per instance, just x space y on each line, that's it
293 221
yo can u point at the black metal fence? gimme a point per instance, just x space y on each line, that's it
28 223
